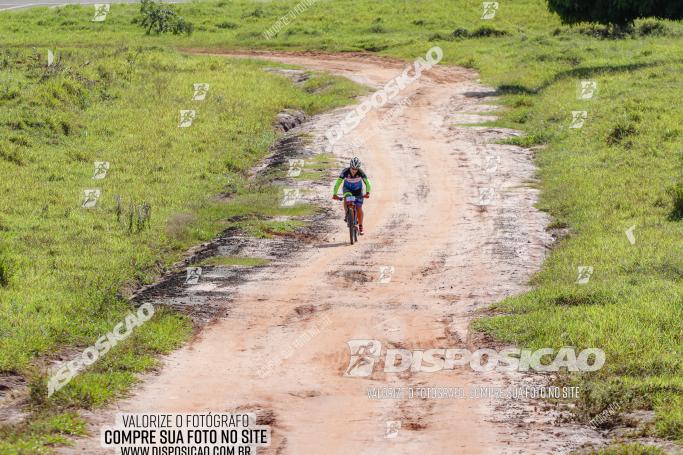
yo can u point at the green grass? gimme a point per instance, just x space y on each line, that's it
38 436
99 106
62 266
630 449
623 168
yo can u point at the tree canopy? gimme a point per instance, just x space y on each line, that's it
620 12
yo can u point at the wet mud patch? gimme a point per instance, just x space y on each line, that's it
415 414
306 394
434 267
351 276
209 297
298 77
285 148
307 311
14 399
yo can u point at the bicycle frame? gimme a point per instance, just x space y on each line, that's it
351 216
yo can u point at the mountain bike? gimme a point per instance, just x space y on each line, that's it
351 216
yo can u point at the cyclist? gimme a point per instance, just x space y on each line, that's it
353 178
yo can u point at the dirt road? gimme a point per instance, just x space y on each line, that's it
451 254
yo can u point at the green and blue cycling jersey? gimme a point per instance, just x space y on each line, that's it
352 183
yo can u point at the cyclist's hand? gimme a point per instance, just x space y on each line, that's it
367 195
335 197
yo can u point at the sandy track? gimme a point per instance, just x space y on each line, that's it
451 257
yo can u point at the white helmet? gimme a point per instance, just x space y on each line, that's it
355 163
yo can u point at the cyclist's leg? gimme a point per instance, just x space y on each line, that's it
359 209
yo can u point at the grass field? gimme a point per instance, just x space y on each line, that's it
620 170
64 266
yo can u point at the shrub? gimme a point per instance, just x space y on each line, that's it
486 31
620 132
5 270
162 18
460 33
676 193
229 25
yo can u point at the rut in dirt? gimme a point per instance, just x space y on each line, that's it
450 228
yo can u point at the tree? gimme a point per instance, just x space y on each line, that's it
617 12
162 18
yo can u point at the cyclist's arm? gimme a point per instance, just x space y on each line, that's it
337 184
367 185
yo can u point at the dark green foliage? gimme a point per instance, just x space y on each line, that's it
620 12
162 18
676 193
